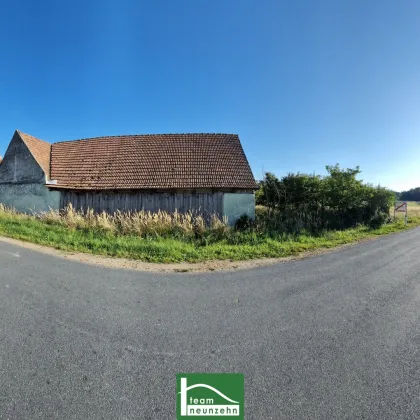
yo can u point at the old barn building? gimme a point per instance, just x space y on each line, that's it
206 173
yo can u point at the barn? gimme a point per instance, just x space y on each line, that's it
203 173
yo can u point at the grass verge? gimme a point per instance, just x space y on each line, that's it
165 250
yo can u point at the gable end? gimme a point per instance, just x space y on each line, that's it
19 165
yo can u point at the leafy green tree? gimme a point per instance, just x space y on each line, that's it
410 195
312 202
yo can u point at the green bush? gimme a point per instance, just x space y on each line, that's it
244 223
379 220
299 202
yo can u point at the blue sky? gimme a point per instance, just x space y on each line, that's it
304 83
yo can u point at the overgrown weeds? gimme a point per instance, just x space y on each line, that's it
144 224
163 237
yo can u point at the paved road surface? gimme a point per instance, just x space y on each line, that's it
331 337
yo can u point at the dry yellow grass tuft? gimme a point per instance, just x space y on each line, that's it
141 223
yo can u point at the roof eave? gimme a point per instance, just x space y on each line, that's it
148 188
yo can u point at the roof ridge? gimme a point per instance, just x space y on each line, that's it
147 135
30 135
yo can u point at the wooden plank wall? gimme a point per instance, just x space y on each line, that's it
203 203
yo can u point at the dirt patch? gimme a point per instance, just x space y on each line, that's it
185 267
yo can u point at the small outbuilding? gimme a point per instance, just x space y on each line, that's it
203 173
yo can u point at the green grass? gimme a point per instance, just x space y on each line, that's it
240 246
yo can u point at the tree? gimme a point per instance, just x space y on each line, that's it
337 201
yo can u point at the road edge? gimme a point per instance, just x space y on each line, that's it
185 267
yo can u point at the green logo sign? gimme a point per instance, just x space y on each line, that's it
210 395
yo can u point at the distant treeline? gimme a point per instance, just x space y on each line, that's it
315 203
410 195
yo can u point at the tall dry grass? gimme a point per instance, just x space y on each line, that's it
138 223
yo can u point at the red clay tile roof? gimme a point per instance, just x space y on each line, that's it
158 161
40 149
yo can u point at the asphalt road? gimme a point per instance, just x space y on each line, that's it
331 337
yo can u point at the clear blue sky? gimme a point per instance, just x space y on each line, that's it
304 83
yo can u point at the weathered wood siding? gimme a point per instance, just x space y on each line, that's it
204 203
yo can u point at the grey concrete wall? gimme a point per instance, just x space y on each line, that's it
237 204
22 181
29 197
19 166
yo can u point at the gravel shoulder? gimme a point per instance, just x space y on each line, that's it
207 266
